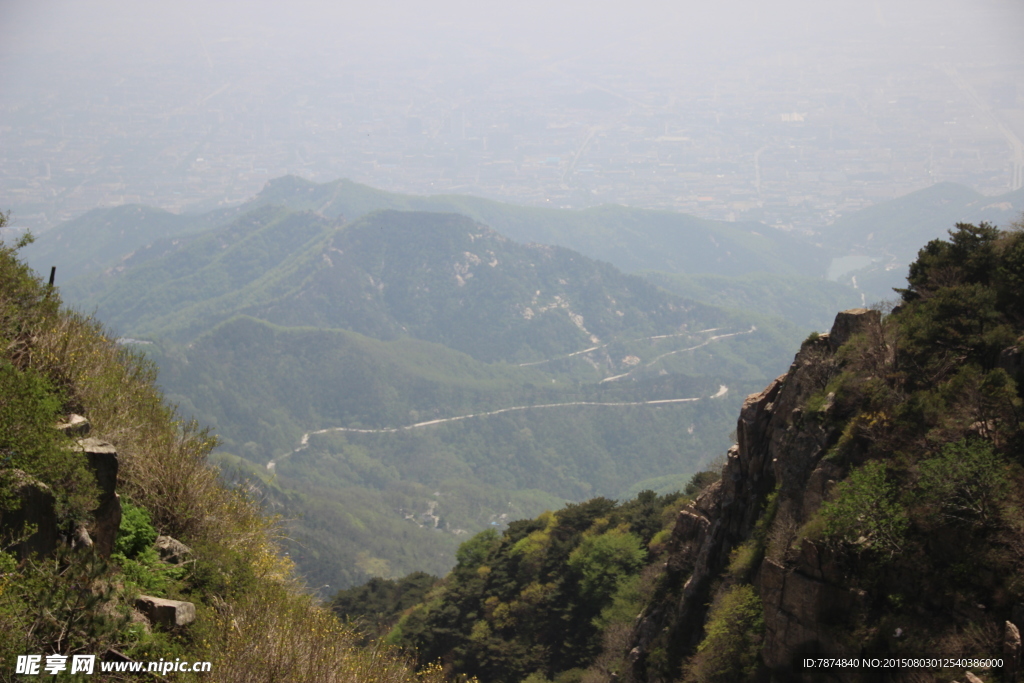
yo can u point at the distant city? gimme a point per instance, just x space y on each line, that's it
794 139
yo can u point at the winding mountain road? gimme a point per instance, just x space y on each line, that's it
753 328
722 390
304 442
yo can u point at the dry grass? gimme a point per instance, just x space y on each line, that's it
268 631
272 637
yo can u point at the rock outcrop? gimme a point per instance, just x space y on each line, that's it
851 322
36 506
778 448
168 613
106 518
1011 652
76 425
172 550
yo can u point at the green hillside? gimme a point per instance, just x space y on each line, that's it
283 324
81 558
437 277
262 387
204 277
871 509
630 239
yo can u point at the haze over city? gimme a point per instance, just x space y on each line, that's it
791 114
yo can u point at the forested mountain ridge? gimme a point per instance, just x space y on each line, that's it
631 239
870 509
206 277
693 257
309 344
437 277
447 279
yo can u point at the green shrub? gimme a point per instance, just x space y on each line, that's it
63 603
29 410
731 647
604 561
966 483
136 532
147 573
865 512
141 567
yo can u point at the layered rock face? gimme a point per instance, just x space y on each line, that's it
781 449
36 507
106 518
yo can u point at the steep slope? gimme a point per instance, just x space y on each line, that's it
871 505
124 548
870 511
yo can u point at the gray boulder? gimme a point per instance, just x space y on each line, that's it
75 426
172 550
168 613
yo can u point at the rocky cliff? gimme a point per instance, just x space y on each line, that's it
762 525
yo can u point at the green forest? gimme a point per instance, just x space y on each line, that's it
872 498
914 548
287 331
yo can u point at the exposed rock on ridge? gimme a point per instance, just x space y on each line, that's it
106 521
777 448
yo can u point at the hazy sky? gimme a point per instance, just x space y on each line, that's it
395 30
126 94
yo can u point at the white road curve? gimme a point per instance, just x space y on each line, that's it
717 337
304 441
628 341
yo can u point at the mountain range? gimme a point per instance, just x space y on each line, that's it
391 372
527 375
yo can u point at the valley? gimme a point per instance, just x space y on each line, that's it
367 358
